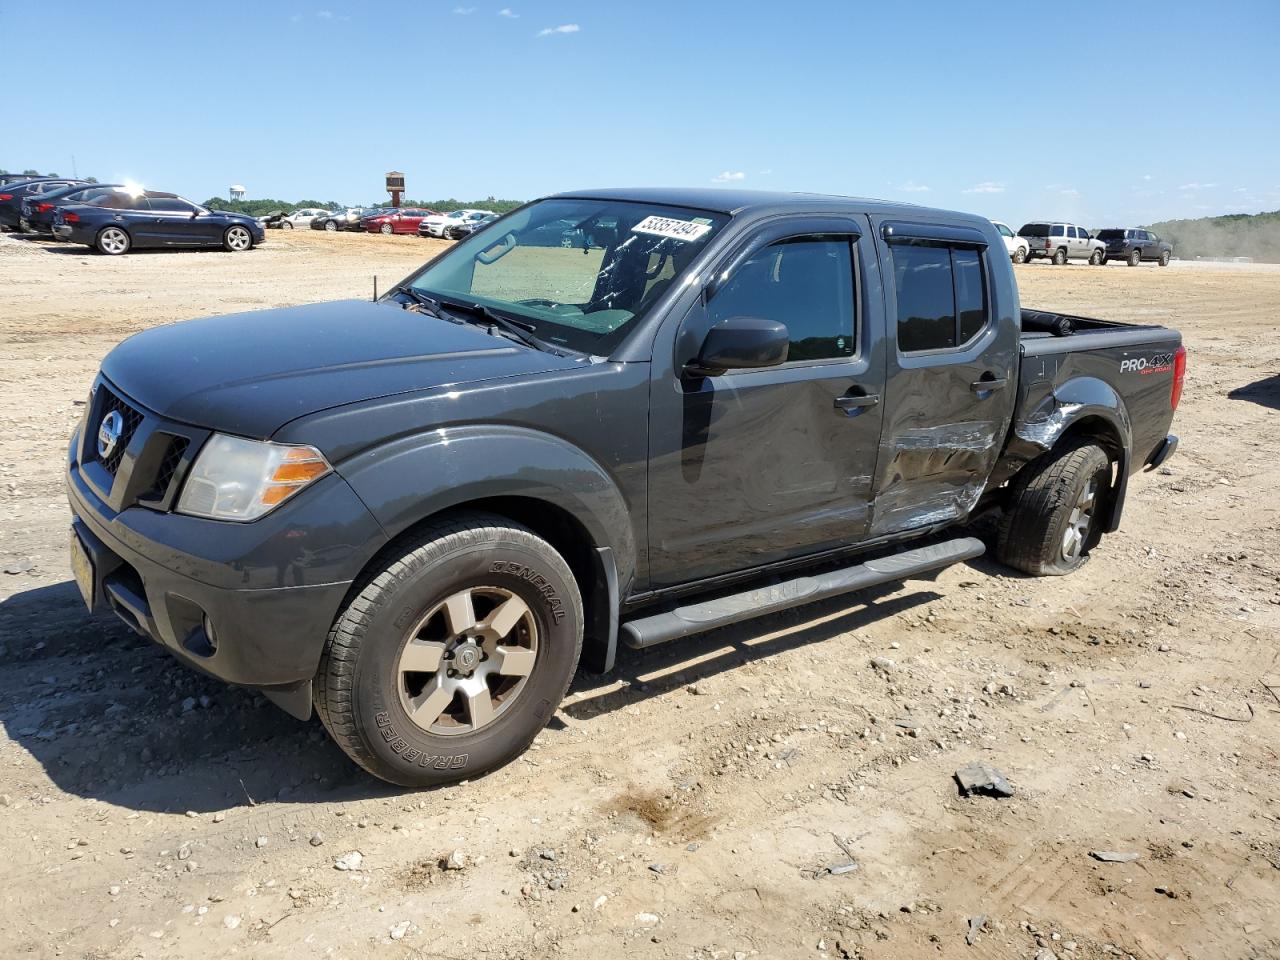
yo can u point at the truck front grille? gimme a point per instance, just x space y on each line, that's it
132 420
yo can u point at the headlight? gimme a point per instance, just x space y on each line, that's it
236 479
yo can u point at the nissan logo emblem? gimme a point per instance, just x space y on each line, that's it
109 434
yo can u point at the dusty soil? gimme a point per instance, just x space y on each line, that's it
690 805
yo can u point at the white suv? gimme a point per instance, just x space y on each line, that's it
1061 242
1017 247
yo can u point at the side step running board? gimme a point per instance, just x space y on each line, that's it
722 611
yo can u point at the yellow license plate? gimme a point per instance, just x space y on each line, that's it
82 569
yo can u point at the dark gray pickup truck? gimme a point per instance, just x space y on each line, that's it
612 415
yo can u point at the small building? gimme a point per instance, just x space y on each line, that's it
237 191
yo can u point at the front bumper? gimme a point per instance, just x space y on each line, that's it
269 590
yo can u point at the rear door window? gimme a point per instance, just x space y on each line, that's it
941 294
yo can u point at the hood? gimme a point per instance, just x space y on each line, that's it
251 373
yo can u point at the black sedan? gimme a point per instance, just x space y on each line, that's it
469 225
12 194
348 219
37 209
121 221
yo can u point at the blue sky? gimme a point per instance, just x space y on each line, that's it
1104 114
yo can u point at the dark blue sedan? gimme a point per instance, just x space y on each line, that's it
122 221
37 209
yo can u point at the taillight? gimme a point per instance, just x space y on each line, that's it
71 217
6 196
1179 374
43 207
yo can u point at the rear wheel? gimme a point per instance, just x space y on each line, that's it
1060 256
454 656
1054 514
1135 258
1164 258
237 238
1096 258
113 241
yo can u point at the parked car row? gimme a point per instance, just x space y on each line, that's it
1060 242
114 219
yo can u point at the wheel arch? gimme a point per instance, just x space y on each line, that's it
1082 408
534 479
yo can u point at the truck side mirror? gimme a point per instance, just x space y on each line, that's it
740 343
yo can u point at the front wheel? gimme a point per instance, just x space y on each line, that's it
1054 514
113 241
286 225
1019 256
454 655
331 226
387 230
1096 258
237 239
1165 257
1059 256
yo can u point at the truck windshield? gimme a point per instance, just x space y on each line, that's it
578 273
1034 230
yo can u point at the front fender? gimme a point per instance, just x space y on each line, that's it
414 477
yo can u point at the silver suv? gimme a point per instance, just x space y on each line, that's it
1061 242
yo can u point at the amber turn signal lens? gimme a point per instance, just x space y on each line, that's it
299 471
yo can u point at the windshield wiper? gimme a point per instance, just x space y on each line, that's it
518 329
430 304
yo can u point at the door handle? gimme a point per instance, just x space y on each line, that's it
988 384
853 405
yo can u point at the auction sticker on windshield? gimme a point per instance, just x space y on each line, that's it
673 229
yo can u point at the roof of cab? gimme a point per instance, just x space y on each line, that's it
736 202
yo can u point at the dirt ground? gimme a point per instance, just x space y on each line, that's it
692 804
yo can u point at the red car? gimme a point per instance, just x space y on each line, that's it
405 220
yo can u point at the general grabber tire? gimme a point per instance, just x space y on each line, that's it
1054 516
451 658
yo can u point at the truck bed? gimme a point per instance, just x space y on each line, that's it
1072 361
1046 332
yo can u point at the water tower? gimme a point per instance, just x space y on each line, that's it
237 191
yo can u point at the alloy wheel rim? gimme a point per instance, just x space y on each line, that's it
467 661
238 238
1076 535
114 240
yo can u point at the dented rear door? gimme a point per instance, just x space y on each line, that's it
952 344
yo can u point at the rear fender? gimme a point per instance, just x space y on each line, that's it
1084 405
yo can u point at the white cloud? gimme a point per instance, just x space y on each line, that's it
912 187
508 13
765 173
729 176
563 28
987 186
1064 191
324 14
1146 176
464 11
1197 186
